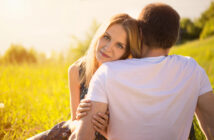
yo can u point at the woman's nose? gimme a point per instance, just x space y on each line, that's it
108 46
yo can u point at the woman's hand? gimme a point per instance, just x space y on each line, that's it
100 121
83 108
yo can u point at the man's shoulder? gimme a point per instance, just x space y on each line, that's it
126 62
116 64
107 69
183 60
186 64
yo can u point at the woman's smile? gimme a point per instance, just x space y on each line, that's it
104 54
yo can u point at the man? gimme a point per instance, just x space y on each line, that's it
153 98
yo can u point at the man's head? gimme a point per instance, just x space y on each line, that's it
160 25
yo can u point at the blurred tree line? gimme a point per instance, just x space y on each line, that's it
201 27
18 54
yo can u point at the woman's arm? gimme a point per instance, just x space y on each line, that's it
74 88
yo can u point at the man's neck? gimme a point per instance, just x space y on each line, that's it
154 52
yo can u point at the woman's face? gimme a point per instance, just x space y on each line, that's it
112 45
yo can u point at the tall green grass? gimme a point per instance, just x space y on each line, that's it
36 97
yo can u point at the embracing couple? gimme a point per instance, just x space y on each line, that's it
148 96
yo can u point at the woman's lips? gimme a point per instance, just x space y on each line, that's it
104 55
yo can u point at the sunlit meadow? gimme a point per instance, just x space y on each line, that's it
33 98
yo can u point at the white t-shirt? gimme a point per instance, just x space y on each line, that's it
151 98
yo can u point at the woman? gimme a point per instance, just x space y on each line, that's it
114 40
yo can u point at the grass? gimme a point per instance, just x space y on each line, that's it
36 97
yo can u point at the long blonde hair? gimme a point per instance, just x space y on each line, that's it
89 63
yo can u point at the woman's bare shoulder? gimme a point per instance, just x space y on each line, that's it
73 68
73 71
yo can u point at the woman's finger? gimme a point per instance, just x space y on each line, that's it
85 109
102 132
100 121
85 101
80 115
97 124
104 116
85 105
97 129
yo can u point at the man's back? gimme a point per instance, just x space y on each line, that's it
150 98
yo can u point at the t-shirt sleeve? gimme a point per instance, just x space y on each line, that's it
97 86
205 85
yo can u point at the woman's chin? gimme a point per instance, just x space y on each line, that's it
103 61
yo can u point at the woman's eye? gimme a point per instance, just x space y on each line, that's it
120 46
106 37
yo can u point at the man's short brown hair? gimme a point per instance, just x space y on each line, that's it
160 25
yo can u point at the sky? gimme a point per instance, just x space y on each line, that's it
48 25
